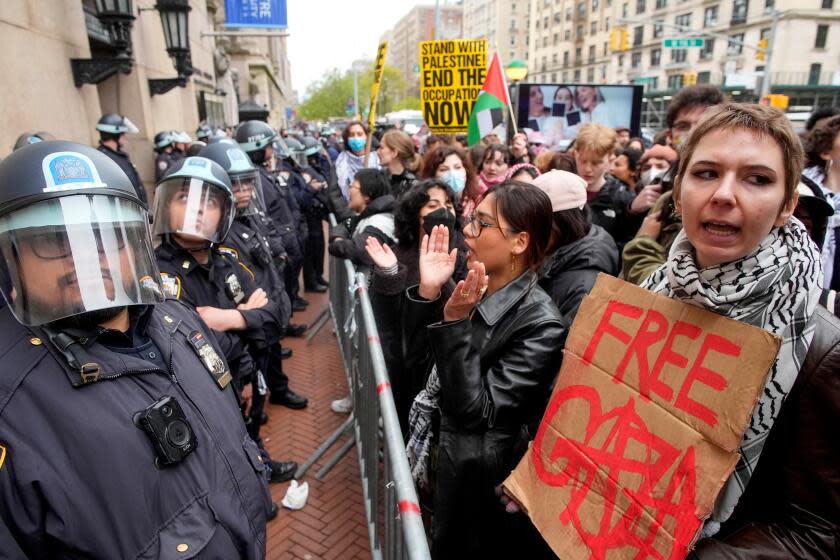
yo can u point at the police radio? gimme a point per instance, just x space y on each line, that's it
165 424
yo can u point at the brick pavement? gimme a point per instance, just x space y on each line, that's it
332 525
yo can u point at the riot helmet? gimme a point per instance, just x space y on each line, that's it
25 139
194 201
254 137
297 151
203 132
280 148
244 177
111 126
195 147
74 237
162 140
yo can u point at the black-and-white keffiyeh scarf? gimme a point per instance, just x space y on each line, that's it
775 288
420 419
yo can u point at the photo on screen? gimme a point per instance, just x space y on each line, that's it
557 111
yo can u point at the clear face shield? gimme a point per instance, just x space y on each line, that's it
247 194
192 209
70 255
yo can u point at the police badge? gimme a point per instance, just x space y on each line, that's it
171 285
234 288
211 360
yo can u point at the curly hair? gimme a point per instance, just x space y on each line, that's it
436 157
820 140
407 212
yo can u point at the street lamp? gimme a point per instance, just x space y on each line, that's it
174 16
118 17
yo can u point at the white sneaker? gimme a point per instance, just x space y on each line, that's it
342 406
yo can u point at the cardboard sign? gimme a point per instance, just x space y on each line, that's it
451 75
377 80
643 427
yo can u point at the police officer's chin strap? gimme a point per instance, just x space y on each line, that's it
74 353
206 246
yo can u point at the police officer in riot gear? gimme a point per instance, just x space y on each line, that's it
256 139
203 133
112 130
120 436
194 211
163 146
250 244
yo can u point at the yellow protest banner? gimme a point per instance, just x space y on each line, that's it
381 52
451 76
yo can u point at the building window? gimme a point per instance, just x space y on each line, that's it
735 49
594 5
606 24
635 60
577 76
554 77
577 56
565 59
556 39
554 59
638 35
658 29
581 9
769 4
708 49
624 9
579 34
543 64
822 35
590 75
565 76
545 22
640 6
603 72
661 4
814 75
593 27
621 61
606 48
568 14
675 82
739 11
513 40
558 17
704 77
710 17
827 4
683 20
592 53
655 57
678 55
567 35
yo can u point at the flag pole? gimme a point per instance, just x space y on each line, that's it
507 95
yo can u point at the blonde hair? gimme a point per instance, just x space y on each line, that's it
401 143
761 120
596 137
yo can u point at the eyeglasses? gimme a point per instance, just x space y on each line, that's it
56 245
477 225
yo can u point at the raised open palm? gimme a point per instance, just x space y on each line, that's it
380 254
437 262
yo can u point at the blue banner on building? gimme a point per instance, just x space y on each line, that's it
256 13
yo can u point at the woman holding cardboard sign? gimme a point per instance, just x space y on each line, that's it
741 255
497 347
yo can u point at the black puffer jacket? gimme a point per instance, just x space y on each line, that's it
611 211
570 272
401 183
348 239
495 371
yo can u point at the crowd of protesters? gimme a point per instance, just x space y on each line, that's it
478 258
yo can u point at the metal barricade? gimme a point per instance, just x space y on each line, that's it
391 505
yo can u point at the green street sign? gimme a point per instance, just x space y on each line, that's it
415 69
683 43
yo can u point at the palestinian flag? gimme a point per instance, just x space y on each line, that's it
489 109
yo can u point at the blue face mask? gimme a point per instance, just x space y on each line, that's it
356 144
457 180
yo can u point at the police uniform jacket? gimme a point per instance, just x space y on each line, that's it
78 478
223 283
278 209
249 246
163 161
121 158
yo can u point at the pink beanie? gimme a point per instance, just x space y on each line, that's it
566 190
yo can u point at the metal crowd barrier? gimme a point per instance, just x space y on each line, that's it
391 505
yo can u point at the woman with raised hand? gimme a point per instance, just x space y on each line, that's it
742 255
496 344
352 159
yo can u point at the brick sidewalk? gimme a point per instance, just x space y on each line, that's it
333 524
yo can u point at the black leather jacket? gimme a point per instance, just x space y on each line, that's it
791 507
495 372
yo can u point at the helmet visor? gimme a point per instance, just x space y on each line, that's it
74 254
247 193
193 209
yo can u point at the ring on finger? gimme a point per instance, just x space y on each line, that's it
465 293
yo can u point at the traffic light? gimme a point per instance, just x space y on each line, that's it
625 39
778 100
762 52
619 39
689 78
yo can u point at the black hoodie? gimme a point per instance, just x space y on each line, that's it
570 271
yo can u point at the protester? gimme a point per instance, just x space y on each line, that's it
451 165
522 172
823 160
814 211
685 110
549 160
741 255
427 204
655 162
497 345
494 166
370 198
519 148
396 153
623 137
580 249
625 168
352 159
637 144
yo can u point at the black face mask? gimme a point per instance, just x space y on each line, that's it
440 217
